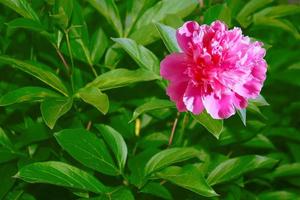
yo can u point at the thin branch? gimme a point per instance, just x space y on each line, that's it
69 48
63 60
173 130
88 126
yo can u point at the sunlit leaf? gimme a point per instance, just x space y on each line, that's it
168 35
214 126
245 15
121 77
144 57
52 109
188 177
87 149
22 7
153 104
235 167
95 97
168 157
116 142
26 94
109 10
61 174
36 70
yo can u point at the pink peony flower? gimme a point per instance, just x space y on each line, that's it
218 70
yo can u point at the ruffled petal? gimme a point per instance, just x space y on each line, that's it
219 108
173 67
218 26
259 70
185 35
239 102
176 91
250 89
192 99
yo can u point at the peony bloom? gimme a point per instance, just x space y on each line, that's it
217 70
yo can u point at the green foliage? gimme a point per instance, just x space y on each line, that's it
90 118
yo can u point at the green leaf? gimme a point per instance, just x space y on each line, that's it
53 109
218 12
7 151
113 56
134 10
35 69
63 10
259 142
235 167
116 142
154 104
61 174
22 7
168 157
278 195
26 94
31 131
19 194
95 97
27 24
282 24
7 181
110 11
295 66
78 37
235 6
5 141
136 165
168 35
142 56
259 101
279 11
158 190
121 77
214 126
243 115
164 8
188 177
98 45
155 139
245 15
287 170
88 149
144 31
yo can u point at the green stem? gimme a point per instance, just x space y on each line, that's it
71 57
185 121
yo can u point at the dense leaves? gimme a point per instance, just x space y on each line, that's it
84 112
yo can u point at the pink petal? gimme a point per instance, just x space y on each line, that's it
218 26
185 35
259 70
193 99
250 89
176 91
239 102
219 108
173 66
